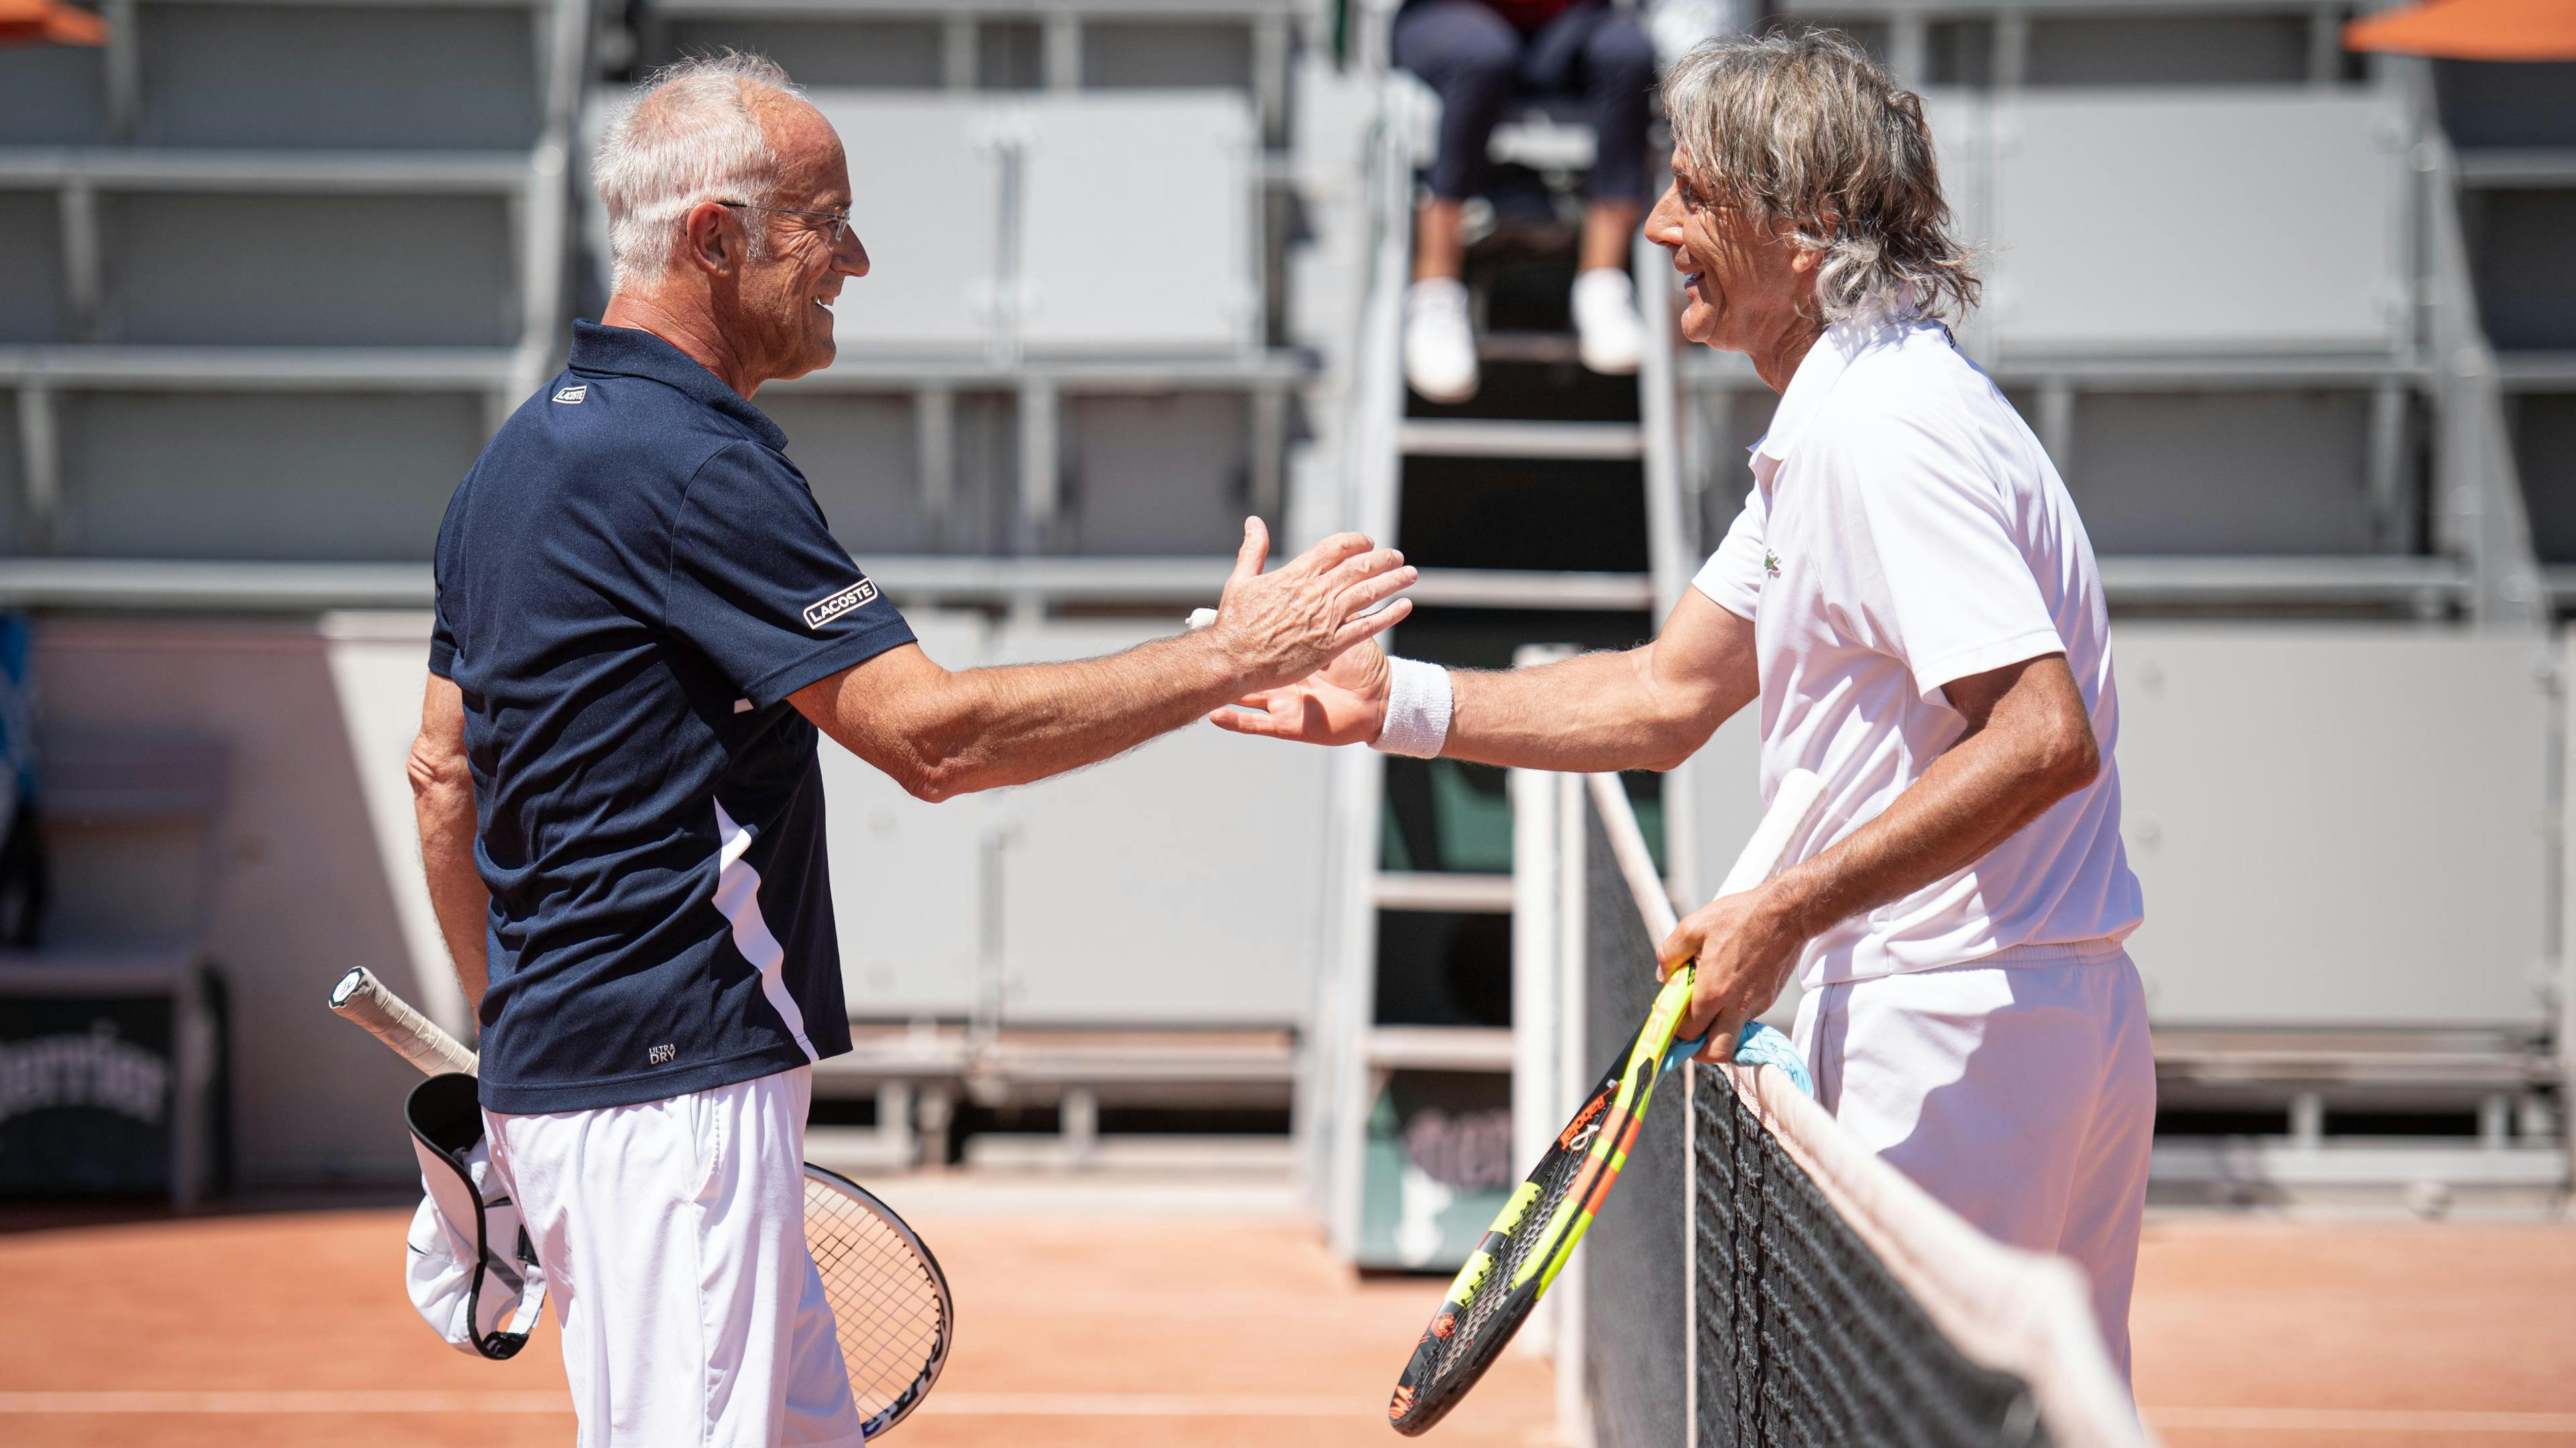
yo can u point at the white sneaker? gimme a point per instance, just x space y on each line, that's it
1607 331
1439 340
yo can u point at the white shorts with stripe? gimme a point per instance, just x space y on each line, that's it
673 1237
2022 1096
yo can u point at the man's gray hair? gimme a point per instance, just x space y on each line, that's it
692 134
1807 134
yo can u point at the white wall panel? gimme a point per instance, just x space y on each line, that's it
380 671
2335 824
1137 223
1067 225
304 889
904 890
1180 884
2157 221
926 182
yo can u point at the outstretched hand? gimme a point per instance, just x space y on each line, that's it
1282 626
1344 702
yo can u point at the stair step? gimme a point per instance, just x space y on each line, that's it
1528 347
1517 588
1477 437
1439 1048
1437 890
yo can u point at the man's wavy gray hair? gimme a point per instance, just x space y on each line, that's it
691 135
1808 134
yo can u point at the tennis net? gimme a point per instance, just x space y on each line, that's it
1789 1288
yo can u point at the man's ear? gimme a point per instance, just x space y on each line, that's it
1803 259
713 245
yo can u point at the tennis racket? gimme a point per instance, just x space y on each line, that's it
1547 1214
890 1303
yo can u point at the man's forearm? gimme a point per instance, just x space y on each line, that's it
442 802
1587 714
2028 744
2032 749
942 734
456 891
1648 708
1022 722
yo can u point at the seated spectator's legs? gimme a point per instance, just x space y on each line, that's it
1602 52
1472 57
1618 77
1477 61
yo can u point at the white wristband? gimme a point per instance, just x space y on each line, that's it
1417 709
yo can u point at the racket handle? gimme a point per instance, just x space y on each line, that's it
362 998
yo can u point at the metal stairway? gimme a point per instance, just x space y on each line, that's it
1409 1098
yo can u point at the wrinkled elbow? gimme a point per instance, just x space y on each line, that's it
1670 757
937 780
435 773
931 787
2073 759
1678 736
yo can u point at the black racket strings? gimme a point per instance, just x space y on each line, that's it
1473 1343
885 1306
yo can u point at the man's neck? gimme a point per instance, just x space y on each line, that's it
684 328
1776 363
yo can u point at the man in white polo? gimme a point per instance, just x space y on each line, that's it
1910 596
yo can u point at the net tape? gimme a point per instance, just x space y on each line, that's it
1834 1302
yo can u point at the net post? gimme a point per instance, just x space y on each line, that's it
1690 1254
1542 1090
1537 1096
1573 1400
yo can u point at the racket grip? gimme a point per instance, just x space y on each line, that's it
362 998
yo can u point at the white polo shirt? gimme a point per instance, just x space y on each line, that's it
1905 529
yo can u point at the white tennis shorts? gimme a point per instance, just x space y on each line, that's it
673 1238
2023 1097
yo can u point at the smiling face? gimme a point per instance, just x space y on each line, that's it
782 315
1745 288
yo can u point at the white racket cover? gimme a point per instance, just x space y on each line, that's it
474 1279
1793 804
470 1271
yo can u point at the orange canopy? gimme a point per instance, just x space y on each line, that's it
2471 30
49 22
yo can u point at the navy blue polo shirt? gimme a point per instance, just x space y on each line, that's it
631 581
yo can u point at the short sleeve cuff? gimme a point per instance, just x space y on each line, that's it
1930 676
826 659
442 658
1734 597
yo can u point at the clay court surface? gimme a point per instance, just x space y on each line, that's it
289 1328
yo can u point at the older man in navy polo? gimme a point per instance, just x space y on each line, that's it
643 626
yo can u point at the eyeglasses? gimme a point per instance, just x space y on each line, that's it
836 233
